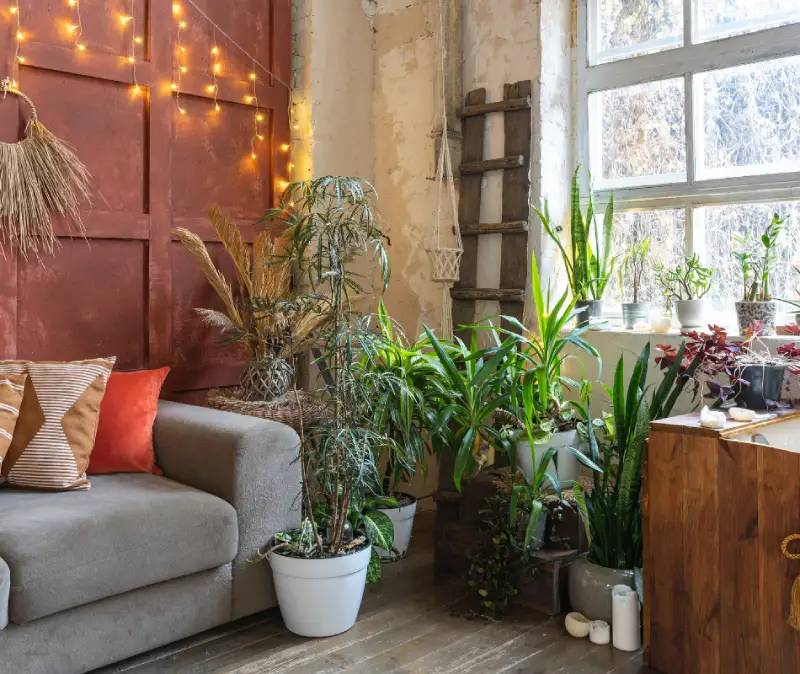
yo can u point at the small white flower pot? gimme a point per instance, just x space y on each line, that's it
403 521
569 467
320 597
692 313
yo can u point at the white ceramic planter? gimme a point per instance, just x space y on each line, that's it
320 597
403 521
692 313
568 467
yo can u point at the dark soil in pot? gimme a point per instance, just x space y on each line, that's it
766 383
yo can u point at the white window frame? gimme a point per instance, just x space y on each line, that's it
686 61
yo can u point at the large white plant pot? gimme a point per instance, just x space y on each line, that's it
403 521
568 468
320 597
692 313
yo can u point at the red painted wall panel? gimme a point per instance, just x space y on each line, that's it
128 289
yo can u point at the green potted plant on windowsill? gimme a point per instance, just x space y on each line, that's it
685 287
589 261
757 307
633 266
319 571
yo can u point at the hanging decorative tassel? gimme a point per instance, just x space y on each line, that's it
794 609
39 176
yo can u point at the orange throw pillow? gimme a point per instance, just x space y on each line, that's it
124 442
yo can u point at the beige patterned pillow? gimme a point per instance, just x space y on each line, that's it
57 424
12 384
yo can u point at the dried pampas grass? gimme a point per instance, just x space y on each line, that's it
40 175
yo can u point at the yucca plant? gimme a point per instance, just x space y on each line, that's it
589 262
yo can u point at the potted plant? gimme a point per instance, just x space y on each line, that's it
404 410
589 267
631 269
260 308
685 286
757 305
536 385
320 570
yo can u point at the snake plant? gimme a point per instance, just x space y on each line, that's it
589 261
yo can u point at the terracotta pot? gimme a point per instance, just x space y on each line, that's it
590 587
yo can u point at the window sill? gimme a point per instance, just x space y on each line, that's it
676 332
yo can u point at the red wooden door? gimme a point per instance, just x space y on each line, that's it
128 289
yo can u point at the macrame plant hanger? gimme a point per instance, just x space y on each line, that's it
446 262
39 175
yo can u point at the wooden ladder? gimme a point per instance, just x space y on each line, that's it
516 109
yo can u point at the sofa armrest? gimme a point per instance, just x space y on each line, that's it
5 591
250 463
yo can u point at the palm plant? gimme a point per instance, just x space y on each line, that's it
405 409
589 267
470 390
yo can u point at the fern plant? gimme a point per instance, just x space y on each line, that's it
589 261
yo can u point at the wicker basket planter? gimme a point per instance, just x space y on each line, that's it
289 409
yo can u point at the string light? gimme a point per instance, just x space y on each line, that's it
76 29
213 88
131 21
18 59
257 116
179 55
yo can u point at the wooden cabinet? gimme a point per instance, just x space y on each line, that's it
717 506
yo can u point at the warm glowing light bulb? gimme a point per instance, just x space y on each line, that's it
125 19
259 118
210 88
283 184
182 25
136 90
138 39
176 8
253 155
21 59
71 27
217 68
296 127
81 46
14 83
182 111
182 48
20 36
260 137
291 204
131 59
252 76
249 99
173 86
216 107
285 147
184 69
215 50
72 3
13 10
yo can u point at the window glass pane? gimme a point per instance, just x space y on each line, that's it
633 27
750 119
721 18
720 223
665 228
641 134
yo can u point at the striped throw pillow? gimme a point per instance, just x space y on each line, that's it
57 423
12 384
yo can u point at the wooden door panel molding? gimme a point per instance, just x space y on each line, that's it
120 288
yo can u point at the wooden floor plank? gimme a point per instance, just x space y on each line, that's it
406 626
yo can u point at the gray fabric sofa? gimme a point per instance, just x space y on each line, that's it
90 578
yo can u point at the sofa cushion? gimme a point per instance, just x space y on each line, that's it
127 532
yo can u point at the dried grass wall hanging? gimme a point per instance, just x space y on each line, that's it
39 176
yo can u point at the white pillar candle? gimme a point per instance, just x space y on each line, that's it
599 632
625 620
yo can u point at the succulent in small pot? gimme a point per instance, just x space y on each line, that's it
587 256
684 287
632 269
757 305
